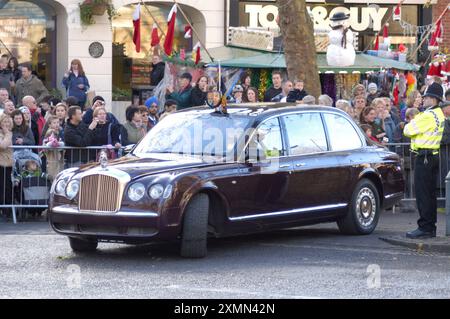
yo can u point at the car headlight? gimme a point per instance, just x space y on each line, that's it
136 192
61 186
156 191
72 189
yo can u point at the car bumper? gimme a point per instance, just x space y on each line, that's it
123 226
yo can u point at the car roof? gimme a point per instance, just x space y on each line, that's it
266 109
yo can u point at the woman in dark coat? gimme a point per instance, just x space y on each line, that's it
13 66
105 133
199 92
21 132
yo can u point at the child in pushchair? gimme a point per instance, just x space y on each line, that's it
31 185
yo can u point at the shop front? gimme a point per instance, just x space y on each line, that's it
50 33
366 21
28 31
131 69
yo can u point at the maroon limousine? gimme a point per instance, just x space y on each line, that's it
201 173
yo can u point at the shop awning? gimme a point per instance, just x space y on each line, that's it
245 58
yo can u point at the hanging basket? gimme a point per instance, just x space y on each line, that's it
99 9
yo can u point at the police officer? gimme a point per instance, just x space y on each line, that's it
425 131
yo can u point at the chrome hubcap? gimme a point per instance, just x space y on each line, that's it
366 207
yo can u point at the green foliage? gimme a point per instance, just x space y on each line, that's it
119 94
56 93
88 9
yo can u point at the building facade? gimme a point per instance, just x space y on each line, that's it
49 33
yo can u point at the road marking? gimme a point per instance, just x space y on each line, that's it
239 291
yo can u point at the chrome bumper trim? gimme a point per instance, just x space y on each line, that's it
66 209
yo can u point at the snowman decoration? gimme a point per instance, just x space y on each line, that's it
340 51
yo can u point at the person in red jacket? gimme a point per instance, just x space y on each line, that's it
368 130
37 120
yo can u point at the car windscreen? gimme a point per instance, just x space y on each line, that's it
195 133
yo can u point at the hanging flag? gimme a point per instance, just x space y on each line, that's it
155 35
187 32
168 42
436 37
397 16
137 28
196 53
182 54
386 39
376 46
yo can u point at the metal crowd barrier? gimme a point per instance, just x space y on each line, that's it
403 149
25 187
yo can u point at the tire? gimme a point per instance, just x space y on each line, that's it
364 212
195 228
82 245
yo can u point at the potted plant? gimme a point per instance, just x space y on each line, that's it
89 8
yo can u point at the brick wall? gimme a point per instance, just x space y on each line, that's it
437 10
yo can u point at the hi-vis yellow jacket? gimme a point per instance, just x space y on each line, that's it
426 130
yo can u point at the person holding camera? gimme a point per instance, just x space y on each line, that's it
76 82
80 135
97 102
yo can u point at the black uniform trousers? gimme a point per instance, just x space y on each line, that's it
425 179
6 197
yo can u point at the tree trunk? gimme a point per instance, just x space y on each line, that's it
299 46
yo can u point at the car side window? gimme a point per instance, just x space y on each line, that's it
267 141
306 133
343 135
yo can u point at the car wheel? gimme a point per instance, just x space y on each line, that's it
195 228
362 217
82 245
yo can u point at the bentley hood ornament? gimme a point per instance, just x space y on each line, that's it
103 159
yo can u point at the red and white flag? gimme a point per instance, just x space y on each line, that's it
436 37
155 35
386 39
397 16
137 28
168 42
376 46
187 32
196 53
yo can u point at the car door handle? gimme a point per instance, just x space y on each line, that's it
285 166
300 164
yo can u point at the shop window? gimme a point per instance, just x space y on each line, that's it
131 70
27 31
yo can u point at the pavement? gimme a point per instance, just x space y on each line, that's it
308 262
409 214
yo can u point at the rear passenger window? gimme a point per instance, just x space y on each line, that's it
305 133
343 135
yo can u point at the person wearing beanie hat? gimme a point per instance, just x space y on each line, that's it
372 94
183 96
97 98
238 91
98 101
426 131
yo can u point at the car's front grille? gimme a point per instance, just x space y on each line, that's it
99 193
